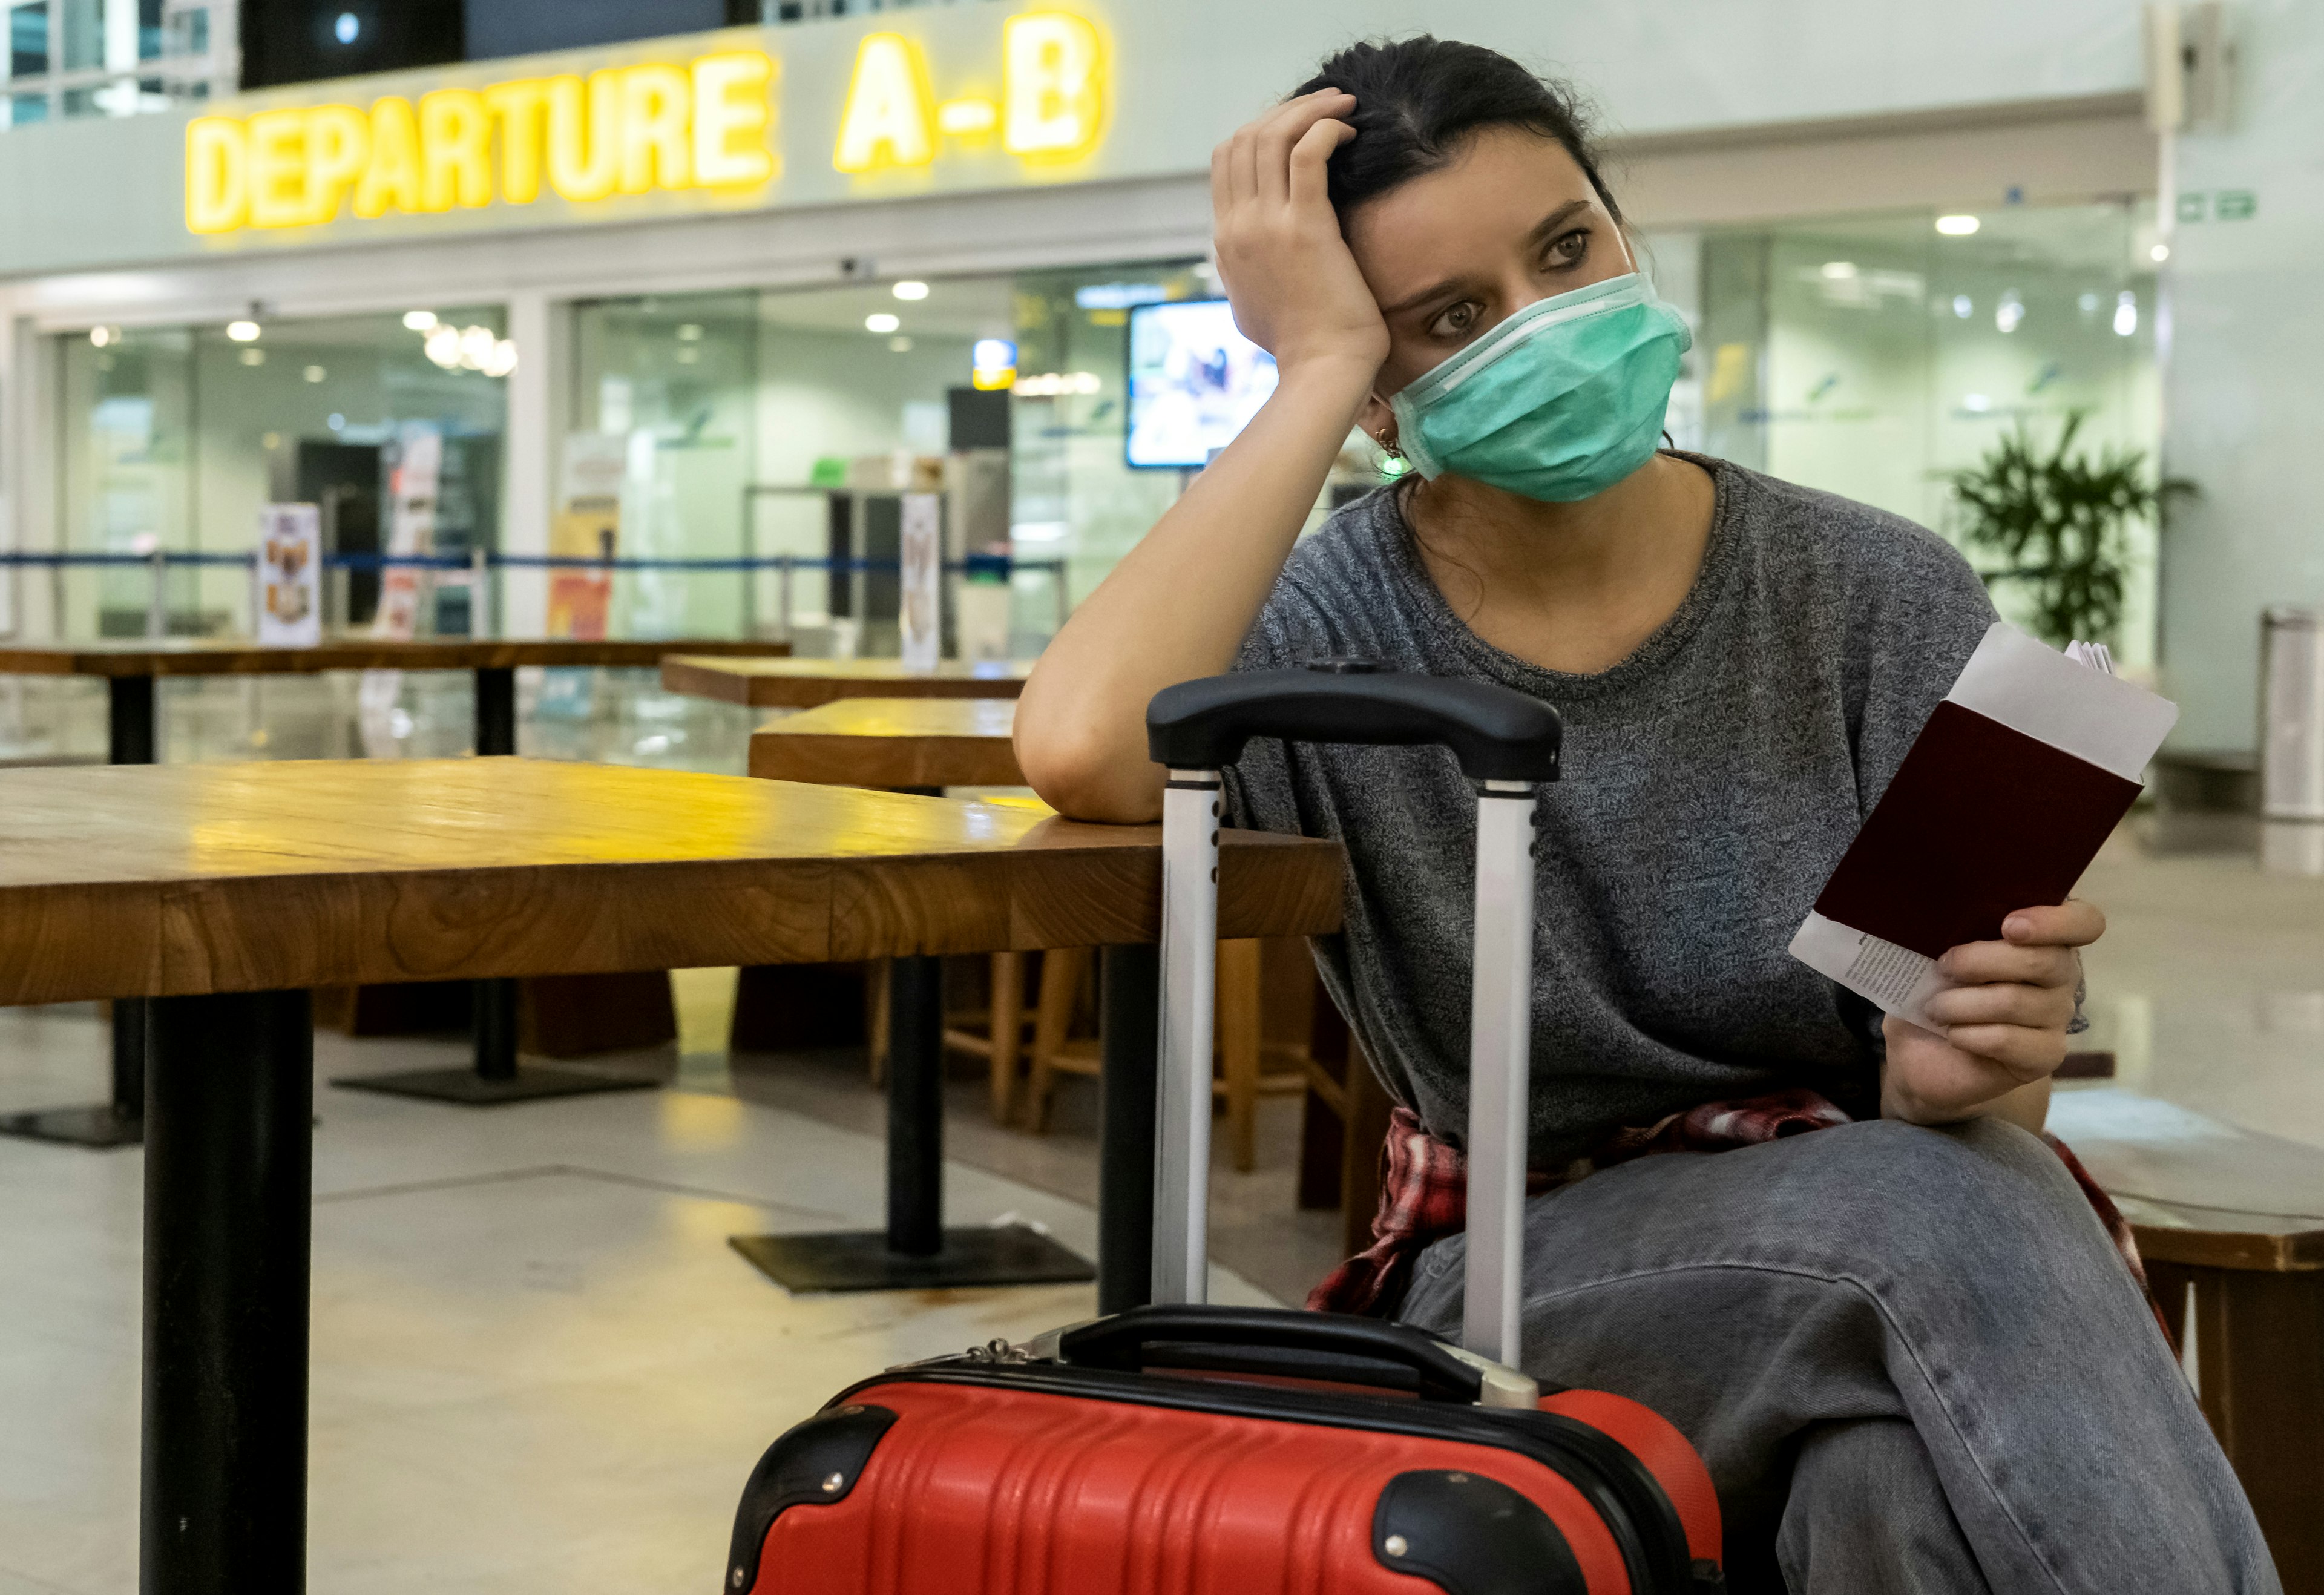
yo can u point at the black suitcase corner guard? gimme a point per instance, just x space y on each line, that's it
1472 1535
814 1463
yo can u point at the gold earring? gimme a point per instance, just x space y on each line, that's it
1386 439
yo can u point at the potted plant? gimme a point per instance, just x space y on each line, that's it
2059 521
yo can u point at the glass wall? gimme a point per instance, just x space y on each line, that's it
173 438
785 421
1873 357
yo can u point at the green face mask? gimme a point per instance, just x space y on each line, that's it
1559 402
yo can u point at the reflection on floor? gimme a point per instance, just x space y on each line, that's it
537 1363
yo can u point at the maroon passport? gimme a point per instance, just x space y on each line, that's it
1980 821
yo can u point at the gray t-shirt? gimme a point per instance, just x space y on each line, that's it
1711 781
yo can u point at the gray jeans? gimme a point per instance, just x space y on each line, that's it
1910 1357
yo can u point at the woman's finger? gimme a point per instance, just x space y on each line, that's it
1977 963
2071 924
1310 185
1282 128
2026 1054
2038 1007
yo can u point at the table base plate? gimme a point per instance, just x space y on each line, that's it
96 1127
1008 1254
463 1085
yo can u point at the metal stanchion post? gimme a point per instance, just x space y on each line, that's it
157 607
783 591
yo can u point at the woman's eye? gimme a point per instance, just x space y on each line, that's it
1456 321
1568 249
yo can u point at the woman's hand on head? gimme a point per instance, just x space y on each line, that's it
2001 1022
1295 287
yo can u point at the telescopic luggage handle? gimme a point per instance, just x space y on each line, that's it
1507 742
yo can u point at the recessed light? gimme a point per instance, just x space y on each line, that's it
419 320
2159 254
911 291
314 373
1838 270
242 332
1957 226
691 333
881 321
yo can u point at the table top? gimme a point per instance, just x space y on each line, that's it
870 742
2195 1189
200 656
805 684
152 880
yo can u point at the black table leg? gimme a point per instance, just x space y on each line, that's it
228 1195
496 712
495 1078
1129 985
915 1251
916 1107
120 1122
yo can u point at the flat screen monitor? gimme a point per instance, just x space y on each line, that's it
1195 381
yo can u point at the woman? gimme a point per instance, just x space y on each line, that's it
1903 1345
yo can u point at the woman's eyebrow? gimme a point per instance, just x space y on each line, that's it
1541 232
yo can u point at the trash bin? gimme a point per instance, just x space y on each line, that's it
2291 715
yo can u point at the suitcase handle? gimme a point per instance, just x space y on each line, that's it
1497 732
1120 1342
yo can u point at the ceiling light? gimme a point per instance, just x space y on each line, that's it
1957 226
691 333
2009 313
419 320
314 373
348 28
443 344
242 332
502 358
911 291
2126 313
1838 270
881 321
2159 254
476 344
100 336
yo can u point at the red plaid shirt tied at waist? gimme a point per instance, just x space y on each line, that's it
1424 1187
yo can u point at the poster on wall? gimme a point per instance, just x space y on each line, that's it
289 576
920 609
411 486
587 526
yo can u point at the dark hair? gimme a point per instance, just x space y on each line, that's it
1418 99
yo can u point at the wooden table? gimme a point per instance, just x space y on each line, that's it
2231 1226
892 742
805 684
225 892
130 670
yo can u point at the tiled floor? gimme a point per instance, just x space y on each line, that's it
537 1364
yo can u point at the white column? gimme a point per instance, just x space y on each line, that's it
530 443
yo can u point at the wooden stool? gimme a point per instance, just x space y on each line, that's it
1251 1062
2231 1226
2255 1299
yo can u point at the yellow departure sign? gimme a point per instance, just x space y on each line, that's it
708 124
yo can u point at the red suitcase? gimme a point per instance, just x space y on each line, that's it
1181 1449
